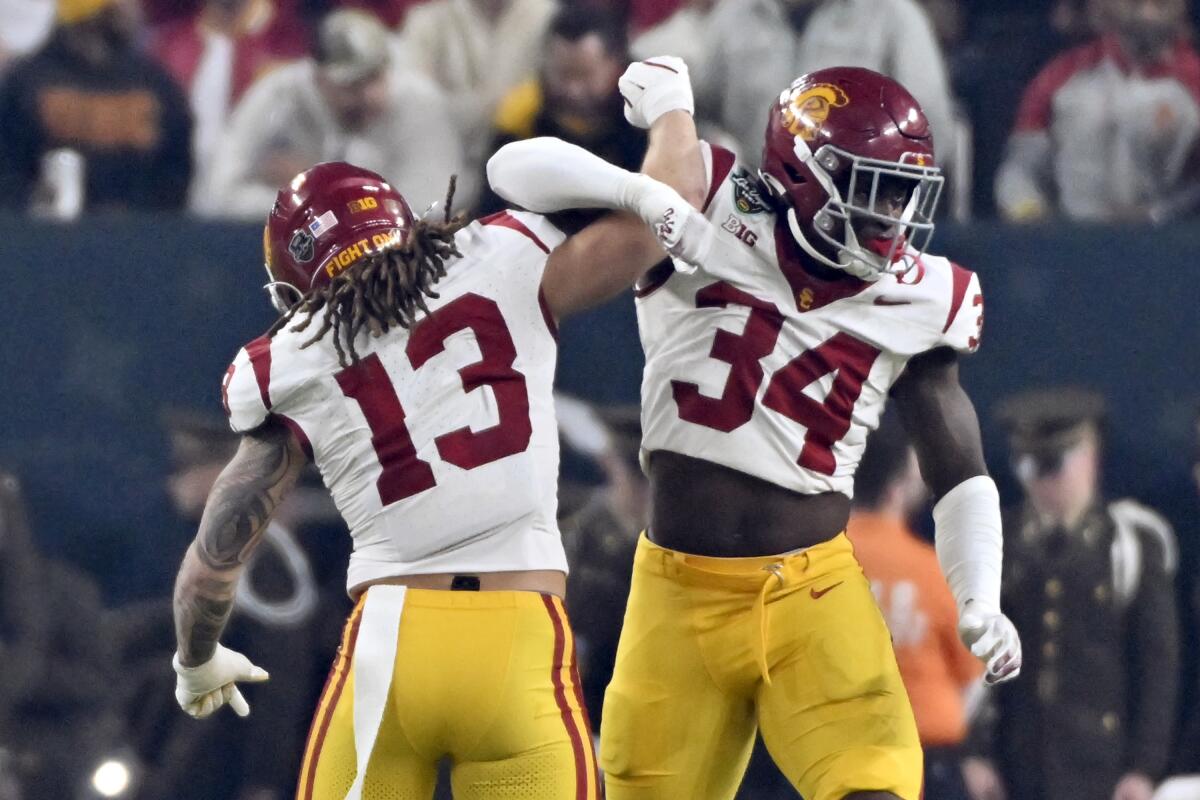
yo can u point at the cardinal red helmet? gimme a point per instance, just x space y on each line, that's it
834 137
329 217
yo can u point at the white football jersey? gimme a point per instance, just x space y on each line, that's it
754 365
440 446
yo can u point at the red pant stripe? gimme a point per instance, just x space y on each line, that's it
329 700
560 696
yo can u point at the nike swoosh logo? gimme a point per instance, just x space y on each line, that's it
817 595
883 301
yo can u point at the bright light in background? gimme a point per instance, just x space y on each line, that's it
111 778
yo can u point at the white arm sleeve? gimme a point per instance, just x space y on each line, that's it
547 174
969 543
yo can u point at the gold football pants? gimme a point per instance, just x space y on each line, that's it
714 649
488 679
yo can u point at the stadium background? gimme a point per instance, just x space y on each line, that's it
114 320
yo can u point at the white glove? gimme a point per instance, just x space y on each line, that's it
203 689
684 232
653 87
991 638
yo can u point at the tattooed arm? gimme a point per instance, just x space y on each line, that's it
240 505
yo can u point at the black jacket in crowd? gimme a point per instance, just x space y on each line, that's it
128 120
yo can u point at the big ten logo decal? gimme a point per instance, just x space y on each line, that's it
805 109
362 204
739 229
901 609
368 245
806 299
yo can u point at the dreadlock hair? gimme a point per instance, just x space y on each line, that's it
380 291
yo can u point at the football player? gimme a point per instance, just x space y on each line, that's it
413 364
766 368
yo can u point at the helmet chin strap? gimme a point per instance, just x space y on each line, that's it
857 267
275 290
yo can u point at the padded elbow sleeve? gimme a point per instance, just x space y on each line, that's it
969 542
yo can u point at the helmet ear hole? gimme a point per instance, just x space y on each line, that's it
793 174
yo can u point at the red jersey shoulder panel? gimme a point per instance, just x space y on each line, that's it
246 389
964 320
960 279
504 219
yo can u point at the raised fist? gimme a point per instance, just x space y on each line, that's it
653 87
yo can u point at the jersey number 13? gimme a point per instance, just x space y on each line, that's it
368 384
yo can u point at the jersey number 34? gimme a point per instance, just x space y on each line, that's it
850 360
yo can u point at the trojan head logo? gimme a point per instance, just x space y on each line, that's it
805 110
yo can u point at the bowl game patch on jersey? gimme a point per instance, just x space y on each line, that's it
746 197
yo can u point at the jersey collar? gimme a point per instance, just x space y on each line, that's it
811 292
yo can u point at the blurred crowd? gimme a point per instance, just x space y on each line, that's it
1106 707
210 105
